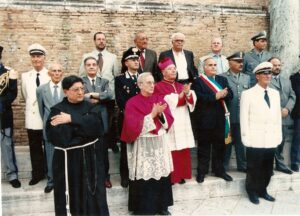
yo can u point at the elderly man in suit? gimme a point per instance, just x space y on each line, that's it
126 88
238 82
108 69
260 118
33 121
47 96
148 57
257 55
183 59
97 91
212 120
287 102
216 49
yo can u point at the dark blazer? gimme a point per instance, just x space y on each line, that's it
150 64
8 95
189 56
295 80
209 113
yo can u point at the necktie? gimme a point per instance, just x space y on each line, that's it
100 61
142 60
55 95
37 80
267 99
93 85
134 78
260 56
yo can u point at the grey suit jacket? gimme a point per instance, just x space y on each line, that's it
105 93
110 67
150 63
251 60
45 102
287 96
237 87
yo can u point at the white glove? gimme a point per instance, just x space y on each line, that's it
13 74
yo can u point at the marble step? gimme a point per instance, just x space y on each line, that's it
24 164
31 200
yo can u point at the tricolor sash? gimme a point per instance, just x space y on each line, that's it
216 87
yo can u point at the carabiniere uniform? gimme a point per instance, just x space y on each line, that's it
125 88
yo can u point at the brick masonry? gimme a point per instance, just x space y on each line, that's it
66 29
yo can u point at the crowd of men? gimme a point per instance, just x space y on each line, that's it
157 108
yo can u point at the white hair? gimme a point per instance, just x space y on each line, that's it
217 38
142 77
52 63
177 34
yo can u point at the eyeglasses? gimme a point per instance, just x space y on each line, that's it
77 89
56 70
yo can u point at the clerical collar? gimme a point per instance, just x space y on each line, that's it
169 82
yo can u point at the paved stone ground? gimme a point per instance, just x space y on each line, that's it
287 203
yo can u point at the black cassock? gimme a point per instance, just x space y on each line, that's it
87 192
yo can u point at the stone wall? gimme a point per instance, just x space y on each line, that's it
66 28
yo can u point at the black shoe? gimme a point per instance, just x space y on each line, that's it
34 181
200 178
48 189
295 167
164 212
15 183
268 197
182 181
224 176
253 198
285 170
124 182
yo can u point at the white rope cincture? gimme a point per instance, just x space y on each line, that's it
66 170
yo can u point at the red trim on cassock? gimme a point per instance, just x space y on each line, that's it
136 109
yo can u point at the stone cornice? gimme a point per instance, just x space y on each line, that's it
132 6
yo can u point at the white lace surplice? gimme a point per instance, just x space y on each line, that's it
150 155
180 134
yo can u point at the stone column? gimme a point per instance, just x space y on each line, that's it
285 33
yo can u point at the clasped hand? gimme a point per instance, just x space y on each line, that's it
222 94
157 109
62 118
